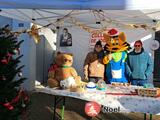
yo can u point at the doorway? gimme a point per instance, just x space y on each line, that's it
44 58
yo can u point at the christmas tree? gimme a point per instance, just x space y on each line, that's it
13 100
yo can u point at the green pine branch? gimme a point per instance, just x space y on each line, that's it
9 81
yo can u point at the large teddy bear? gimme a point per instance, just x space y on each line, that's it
63 74
116 48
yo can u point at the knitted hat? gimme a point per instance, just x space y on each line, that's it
138 41
113 32
98 43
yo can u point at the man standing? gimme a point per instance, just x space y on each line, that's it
93 64
140 64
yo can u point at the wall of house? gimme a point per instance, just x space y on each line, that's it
28 49
37 57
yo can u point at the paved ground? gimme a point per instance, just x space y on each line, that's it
74 110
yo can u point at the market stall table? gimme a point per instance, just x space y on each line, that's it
124 100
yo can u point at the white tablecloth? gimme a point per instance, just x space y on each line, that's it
125 103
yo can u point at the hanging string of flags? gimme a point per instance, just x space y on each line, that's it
34 31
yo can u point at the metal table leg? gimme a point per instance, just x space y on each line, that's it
144 116
63 108
150 117
57 100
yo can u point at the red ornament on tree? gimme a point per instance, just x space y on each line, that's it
92 109
4 61
9 57
8 106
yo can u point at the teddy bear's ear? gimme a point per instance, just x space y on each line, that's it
59 52
70 54
122 36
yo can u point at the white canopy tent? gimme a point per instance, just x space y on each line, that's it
88 12
90 18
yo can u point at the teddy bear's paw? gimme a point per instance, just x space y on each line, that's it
53 83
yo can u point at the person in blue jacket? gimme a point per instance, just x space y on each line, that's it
140 65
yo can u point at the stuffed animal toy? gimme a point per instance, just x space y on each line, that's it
67 83
116 48
52 70
64 72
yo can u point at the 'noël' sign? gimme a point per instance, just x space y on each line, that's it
106 109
